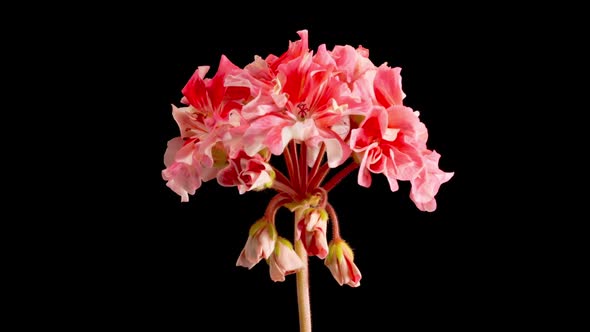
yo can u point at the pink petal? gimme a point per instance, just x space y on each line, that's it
352 63
324 58
265 132
376 160
388 86
407 121
217 89
364 176
337 151
371 129
244 261
228 176
259 106
391 177
172 147
296 49
195 90
189 122
182 179
426 185
300 131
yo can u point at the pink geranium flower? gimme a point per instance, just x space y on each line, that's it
391 139
389 142
315 112
203 124
317 109
295 98
260 78
214 108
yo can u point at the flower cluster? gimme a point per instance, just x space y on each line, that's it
323 110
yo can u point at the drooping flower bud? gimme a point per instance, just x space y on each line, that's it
261 242
311 229
284 260
340 261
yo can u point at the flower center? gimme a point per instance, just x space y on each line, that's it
303 110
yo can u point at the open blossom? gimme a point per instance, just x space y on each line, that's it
340 261
213 108
261 242
391 140
388 144
391 137
303 101
284 260
193 157
247 173
260 77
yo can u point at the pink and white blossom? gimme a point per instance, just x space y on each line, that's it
389 142
323 107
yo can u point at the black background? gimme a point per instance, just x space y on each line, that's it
140 258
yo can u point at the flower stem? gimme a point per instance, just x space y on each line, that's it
289 163
303 302
334 221
281 187
318 161
296 177
303 168
340 175
318 177
275 203
280 176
